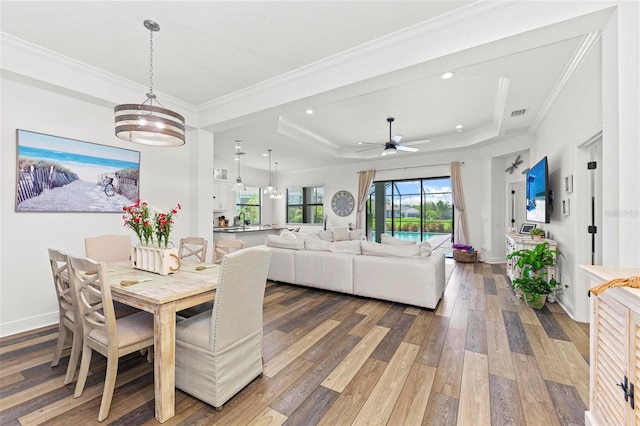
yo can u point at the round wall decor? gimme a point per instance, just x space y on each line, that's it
342 203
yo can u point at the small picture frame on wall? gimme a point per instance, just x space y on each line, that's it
526 227
568 184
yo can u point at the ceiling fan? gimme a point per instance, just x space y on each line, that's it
393 145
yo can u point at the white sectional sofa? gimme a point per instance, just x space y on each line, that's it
396 271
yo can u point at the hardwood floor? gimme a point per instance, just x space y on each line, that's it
332 359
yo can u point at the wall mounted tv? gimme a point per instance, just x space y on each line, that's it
538 197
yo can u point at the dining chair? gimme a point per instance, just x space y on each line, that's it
108 248
101 331
224 247
193 246
69 326
219 352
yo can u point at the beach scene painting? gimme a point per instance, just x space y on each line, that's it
57 174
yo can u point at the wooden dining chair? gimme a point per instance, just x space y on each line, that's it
108 248
224 247
219 352
69 326
101 331
193 246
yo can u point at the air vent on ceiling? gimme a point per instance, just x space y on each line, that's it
518 113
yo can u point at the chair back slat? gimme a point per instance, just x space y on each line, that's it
93 295
224 247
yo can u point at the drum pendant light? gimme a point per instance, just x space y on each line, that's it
147 123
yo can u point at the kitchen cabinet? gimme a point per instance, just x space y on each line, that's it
615 350
220 196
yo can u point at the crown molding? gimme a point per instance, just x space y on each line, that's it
582 52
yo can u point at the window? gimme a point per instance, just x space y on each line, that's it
305 205
249 202
414 209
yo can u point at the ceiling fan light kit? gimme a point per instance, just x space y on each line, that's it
149 124
393 145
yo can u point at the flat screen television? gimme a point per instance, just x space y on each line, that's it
538 200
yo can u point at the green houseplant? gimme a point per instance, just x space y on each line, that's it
533 284
537 233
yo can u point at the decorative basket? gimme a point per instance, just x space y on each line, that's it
156 260
461 256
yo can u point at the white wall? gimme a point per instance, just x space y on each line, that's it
27 298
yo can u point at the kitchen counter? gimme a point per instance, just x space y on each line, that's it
251 236
235 229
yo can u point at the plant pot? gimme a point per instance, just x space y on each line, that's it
537 305
537 238
156 260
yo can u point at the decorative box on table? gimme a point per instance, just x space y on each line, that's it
157 260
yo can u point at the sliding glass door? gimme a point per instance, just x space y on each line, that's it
413 209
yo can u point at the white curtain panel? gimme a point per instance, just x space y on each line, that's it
461 232
365 181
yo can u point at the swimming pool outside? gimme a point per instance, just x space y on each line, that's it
411 236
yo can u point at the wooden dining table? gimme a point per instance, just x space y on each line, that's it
163 296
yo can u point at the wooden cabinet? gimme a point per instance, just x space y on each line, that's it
517 242
220 196
615 350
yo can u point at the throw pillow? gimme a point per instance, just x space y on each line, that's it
371 248
288 234
425 248
340 234
356 234
284 242
326 235
388 239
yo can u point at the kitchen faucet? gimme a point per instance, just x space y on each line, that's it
242 214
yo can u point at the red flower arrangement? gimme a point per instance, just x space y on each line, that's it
137 217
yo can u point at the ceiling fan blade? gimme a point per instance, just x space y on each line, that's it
369 143
407 148
396 138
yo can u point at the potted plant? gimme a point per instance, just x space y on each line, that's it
533 284
537 233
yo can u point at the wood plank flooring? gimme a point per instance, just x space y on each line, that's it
333 359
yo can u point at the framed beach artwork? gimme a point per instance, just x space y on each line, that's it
56 174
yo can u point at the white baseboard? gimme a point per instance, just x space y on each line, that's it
494 260
26 324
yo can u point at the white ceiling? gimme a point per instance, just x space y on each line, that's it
207 50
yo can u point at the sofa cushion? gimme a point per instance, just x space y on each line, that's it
371 248
307 235
340 234
284 242
352 247
388 239
317 245
356 234
326 235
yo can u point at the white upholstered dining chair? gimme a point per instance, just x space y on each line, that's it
101 331
219 352
69 326
108 248
224 247
193 247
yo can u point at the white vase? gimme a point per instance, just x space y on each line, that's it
156 260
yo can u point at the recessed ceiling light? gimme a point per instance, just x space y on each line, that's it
265 154
309 111
459 127
447 75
